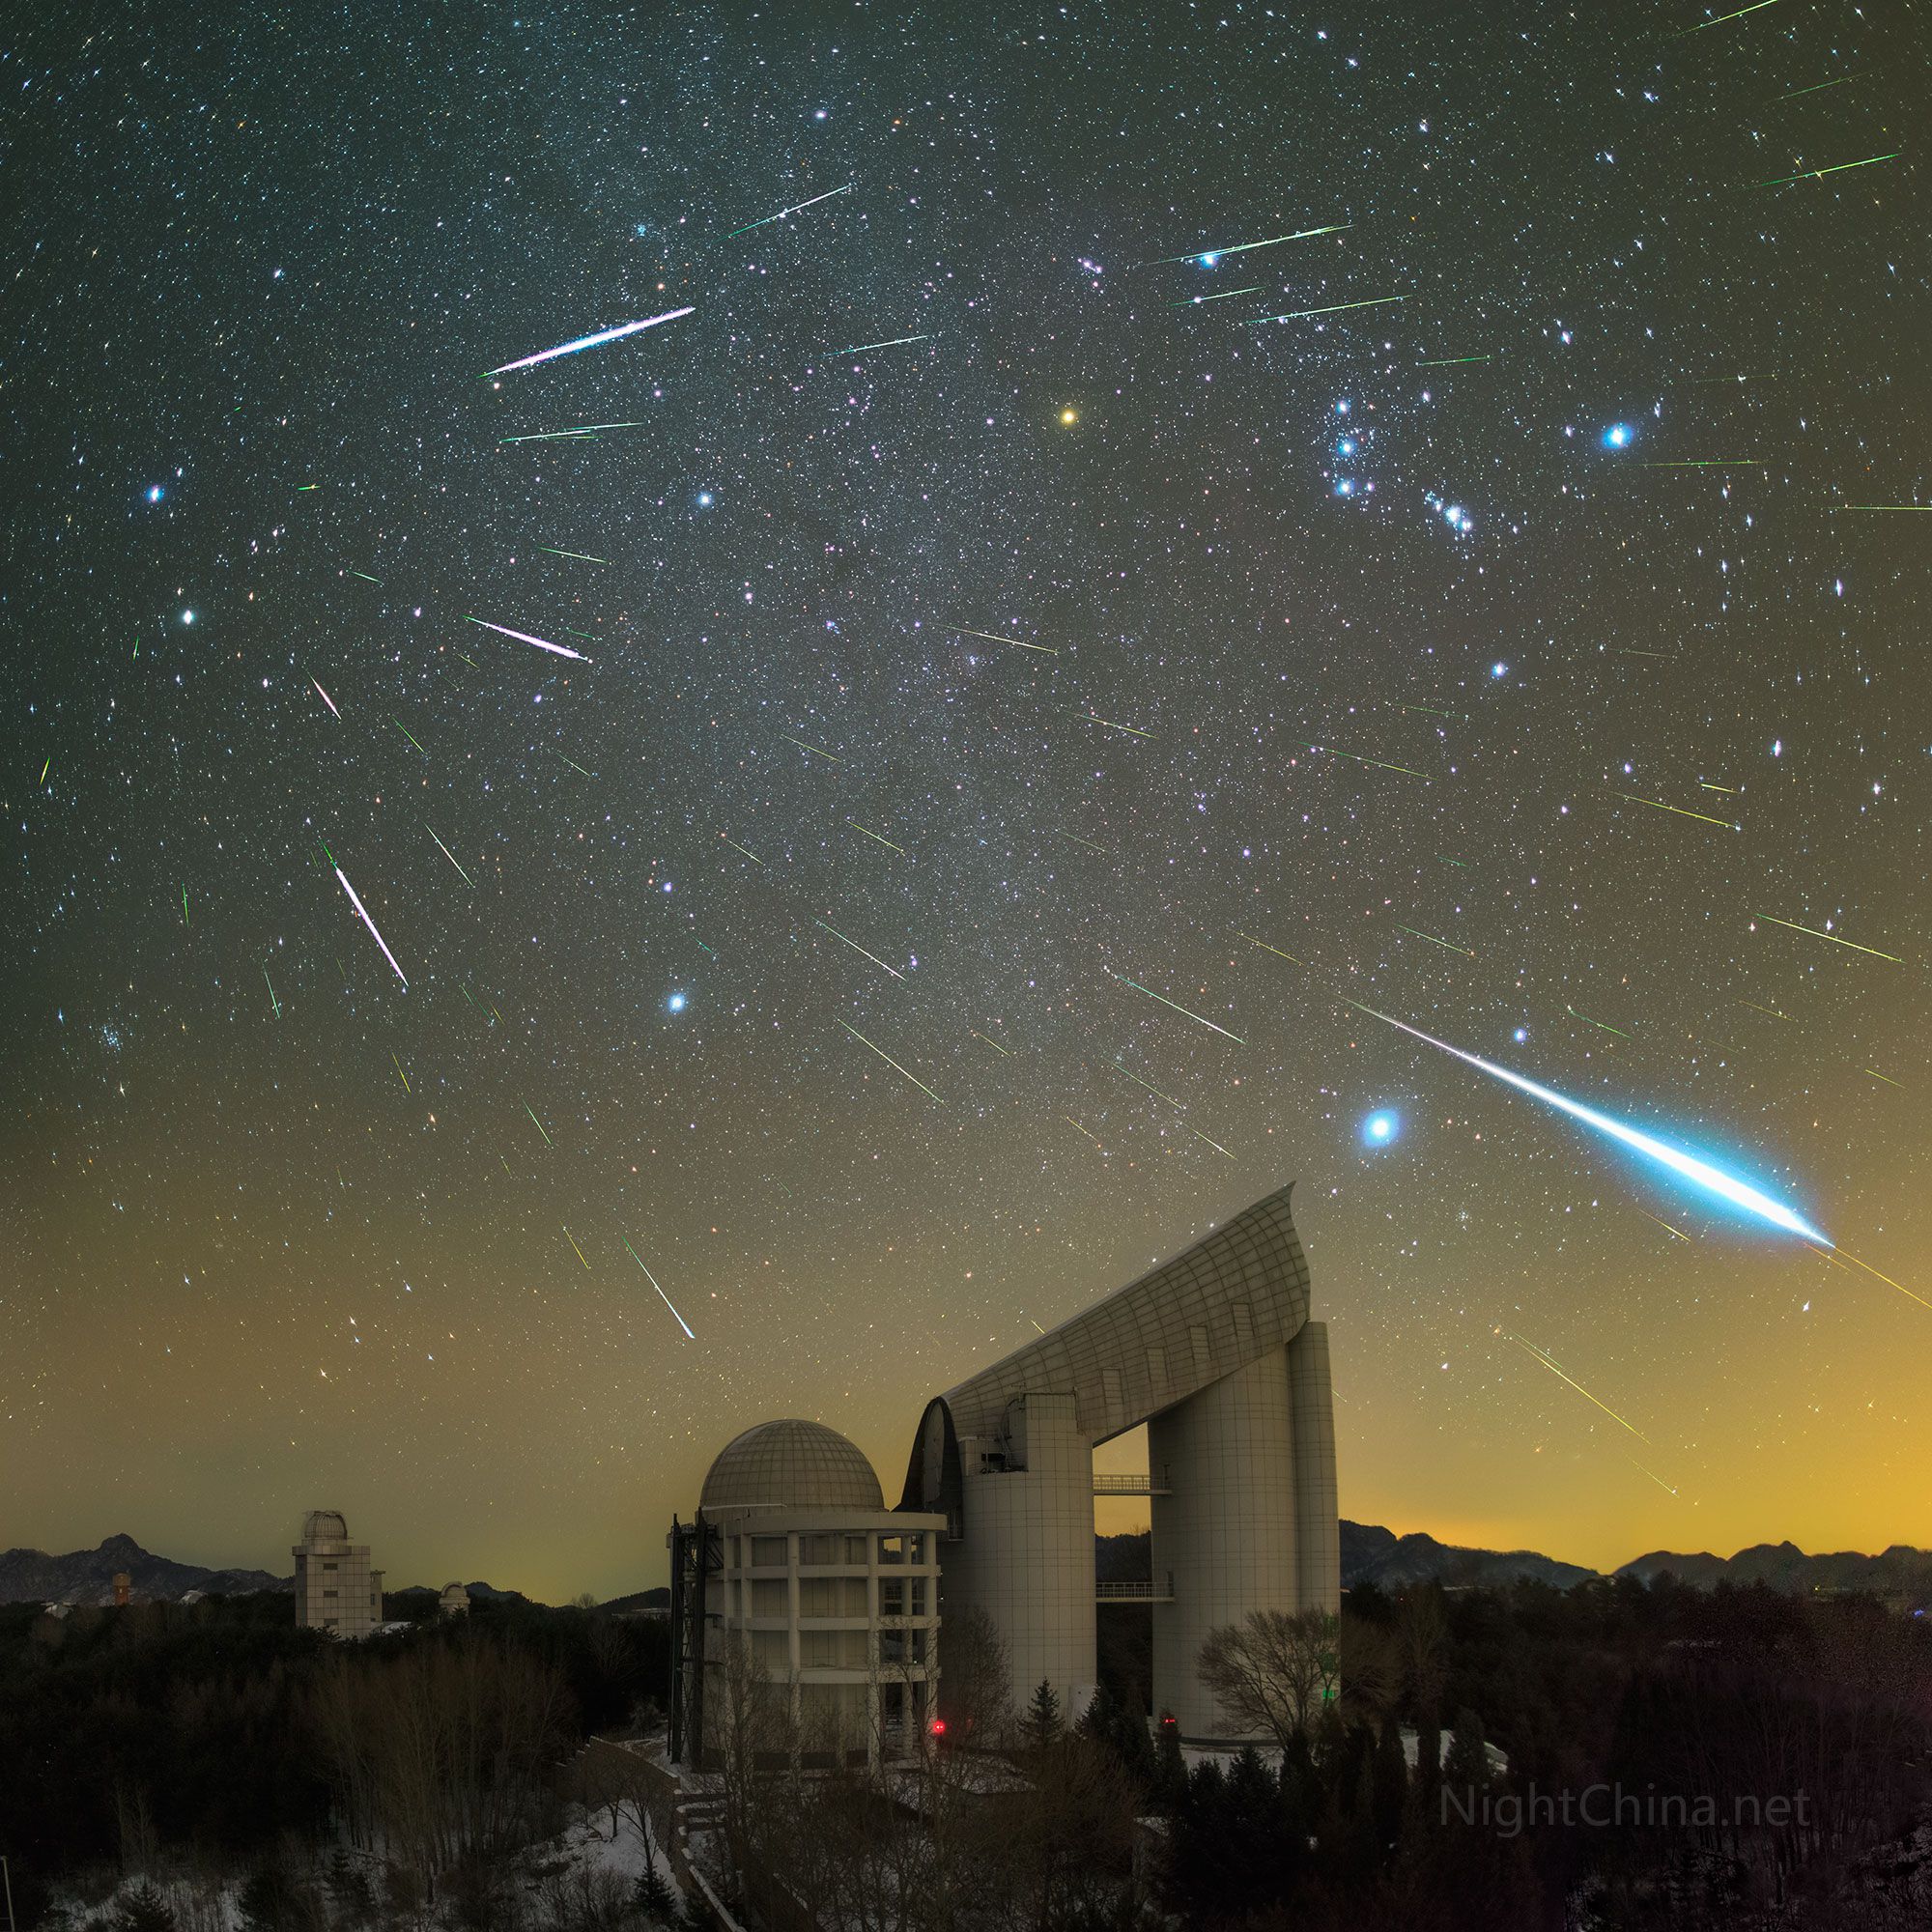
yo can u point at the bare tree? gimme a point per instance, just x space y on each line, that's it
1273 1672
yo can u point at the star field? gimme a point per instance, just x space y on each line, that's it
877 790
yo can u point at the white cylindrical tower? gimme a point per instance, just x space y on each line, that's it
1224 1531
1317 1536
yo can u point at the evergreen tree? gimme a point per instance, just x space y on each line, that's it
145 1910
1043 1713
1391 1786
654 1896
350 1891
1300 1789
1467 1768
264 1899
1170 1768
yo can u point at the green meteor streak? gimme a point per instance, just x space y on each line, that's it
1379 764
857 948
1433 941
185 918
893 1064
404 729
1817 86
736 847
1658 804
1837 168
1706 463
1602 1026
812 748
1095 718
1888 506
887 842
1181 1106
894 342
1333 308
366 578
1242 249
581 555
1755 7
1832 936
451 857
538 1125
1443 361
800 209
300 487
273 1001
1088 842
1166 1002
1194 301
574 766
1266 947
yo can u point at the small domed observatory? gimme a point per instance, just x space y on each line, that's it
802 1605
335 1588
454 1601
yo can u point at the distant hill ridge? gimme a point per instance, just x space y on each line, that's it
1369 1554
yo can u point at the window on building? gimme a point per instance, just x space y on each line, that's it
328 1593
820 1548
769 1552
831 1597
1110 1386
329 1566
771 1652
918 1596
892 1596
891 1706
916 1551
855 1550
1157 1368
1244 1326
891 1550
771 1598
1203 1355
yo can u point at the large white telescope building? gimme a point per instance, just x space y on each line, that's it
1214 1350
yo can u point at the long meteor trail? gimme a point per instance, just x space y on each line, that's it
784 211
596 341
525 638
1713 1180
1211 255
363 913
1166 1002
653 1280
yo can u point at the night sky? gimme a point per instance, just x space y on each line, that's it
1504 645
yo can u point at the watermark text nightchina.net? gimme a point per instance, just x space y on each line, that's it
1605 1806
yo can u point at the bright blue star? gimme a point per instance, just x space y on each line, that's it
1208 261
1521 1034
1345 448
675 1002
156 492
1619 436
704 499
1500 669
1344 488
1380 1128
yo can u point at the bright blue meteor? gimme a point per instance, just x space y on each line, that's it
602 336
1714 1180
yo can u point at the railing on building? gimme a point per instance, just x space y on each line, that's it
1129 1486
1138 1590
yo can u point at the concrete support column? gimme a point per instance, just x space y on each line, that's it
1225 1537
1317 1531
1027 1556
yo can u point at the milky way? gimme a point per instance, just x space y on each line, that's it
920 872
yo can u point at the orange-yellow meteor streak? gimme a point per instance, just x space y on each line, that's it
1531 1348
